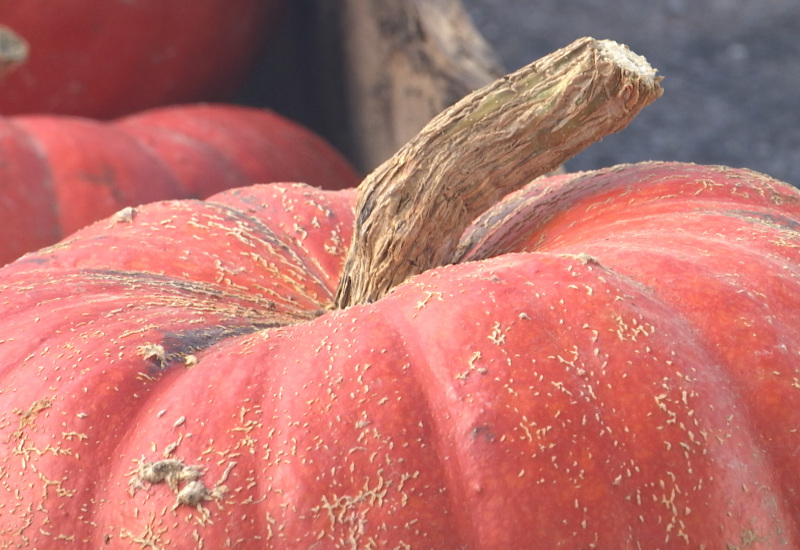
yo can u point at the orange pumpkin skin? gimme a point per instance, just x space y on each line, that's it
108 58
58 174
619 372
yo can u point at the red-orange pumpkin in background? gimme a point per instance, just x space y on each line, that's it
58 173
107 58
615 367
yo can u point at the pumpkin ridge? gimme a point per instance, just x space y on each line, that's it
406 337
433 282
282 239
46 184
513 223
293 231
178 187
724 292
226 174
100 169
774 220
150 132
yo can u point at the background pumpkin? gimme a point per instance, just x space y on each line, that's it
58 174
107 58
566 388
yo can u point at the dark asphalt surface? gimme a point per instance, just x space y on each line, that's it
731 68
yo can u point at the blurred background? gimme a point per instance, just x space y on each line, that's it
365 74
731 68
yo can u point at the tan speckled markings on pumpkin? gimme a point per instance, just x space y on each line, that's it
209 313
305 226
29 453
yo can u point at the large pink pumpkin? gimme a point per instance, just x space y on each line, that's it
617 368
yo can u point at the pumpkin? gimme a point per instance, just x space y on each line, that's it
604 359
107 58
59 173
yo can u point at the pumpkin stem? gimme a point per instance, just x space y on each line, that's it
413 208
13 50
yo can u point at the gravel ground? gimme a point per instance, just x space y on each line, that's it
731 68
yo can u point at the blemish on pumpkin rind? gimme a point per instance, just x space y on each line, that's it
28 416
125 215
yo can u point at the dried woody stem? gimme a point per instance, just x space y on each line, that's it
413 208
13 50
